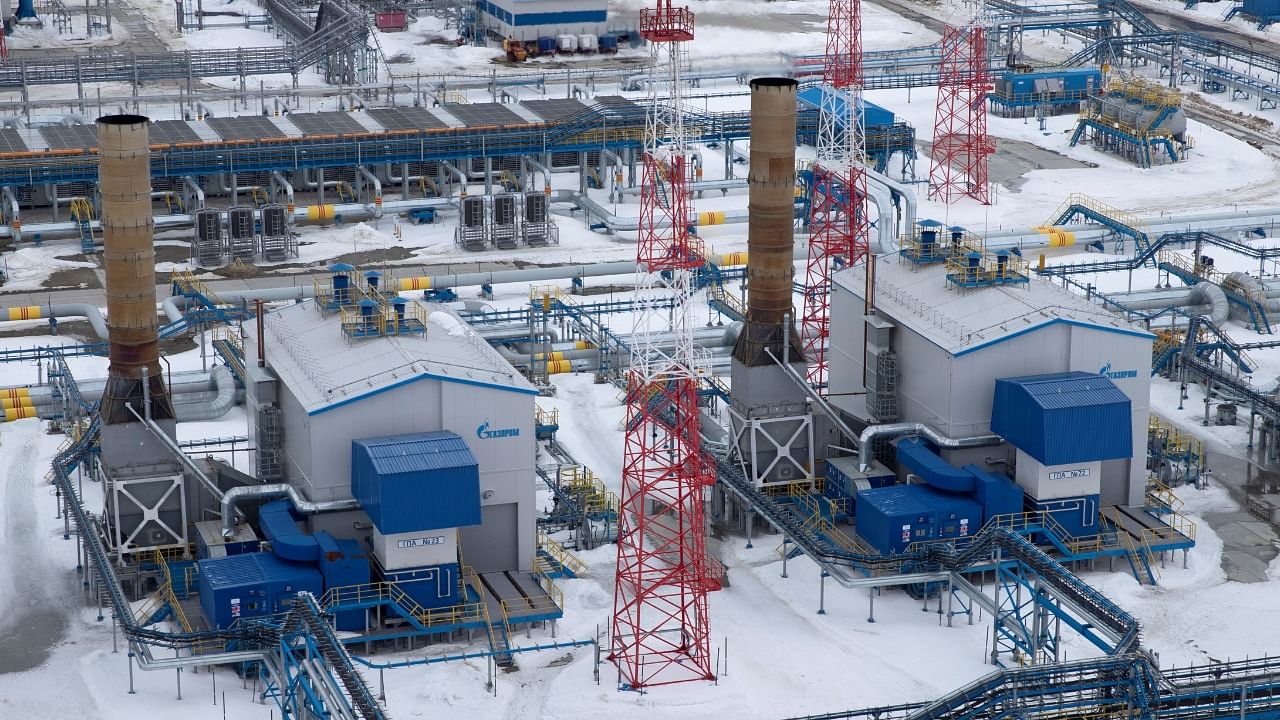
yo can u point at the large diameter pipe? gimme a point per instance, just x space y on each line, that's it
946 442
771 183
238 495
124 176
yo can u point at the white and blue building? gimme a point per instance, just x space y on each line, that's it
529 20
432 433
938 354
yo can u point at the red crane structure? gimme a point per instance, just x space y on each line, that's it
961 145
661 626
838 223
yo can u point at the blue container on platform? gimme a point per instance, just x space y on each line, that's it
892 518
608 43
252 585
344 563
547 45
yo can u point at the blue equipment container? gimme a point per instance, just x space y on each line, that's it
997 494
429 587
1065 418
608 43
844 480
252 585
891 518
419 481
344 563
1260 9
547 45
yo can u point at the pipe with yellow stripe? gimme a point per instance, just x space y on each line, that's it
19 413
554 356
584 345
557 367
711 217
8 404
25 312
1057 237
14 393
320 213
415 283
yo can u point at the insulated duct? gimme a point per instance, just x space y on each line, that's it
771 182
238 495
124 176
945 442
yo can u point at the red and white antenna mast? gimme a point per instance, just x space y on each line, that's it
838 222
961 145
661 628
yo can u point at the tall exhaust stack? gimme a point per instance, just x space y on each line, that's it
769 410
770 237
124 176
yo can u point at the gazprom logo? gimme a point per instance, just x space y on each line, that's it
1107 372
484 433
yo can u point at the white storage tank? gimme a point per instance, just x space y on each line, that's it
567 43
587 43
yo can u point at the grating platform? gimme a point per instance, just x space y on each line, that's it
247 127
485 114
11 141
523 597
409 118
330 123
70 137
172 131
552 110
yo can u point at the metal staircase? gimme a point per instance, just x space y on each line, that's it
306 615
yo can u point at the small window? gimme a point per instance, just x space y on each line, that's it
921 532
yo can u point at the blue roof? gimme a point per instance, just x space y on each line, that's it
929 223
872 114
252 569
418 481
417 452
1064 418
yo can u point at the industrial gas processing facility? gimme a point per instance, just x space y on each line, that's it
884 360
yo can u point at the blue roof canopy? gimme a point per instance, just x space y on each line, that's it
1064 418
418 481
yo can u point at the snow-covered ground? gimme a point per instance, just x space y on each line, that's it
780 658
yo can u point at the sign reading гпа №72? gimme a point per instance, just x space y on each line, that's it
1065 474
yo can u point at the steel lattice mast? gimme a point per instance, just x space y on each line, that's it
961 145
837 219
661 629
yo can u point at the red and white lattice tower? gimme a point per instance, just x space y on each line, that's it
837 219
961 145
661 629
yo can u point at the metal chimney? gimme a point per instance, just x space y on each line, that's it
124 178
770 237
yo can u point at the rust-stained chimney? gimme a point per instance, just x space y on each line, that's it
770 239
124 176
